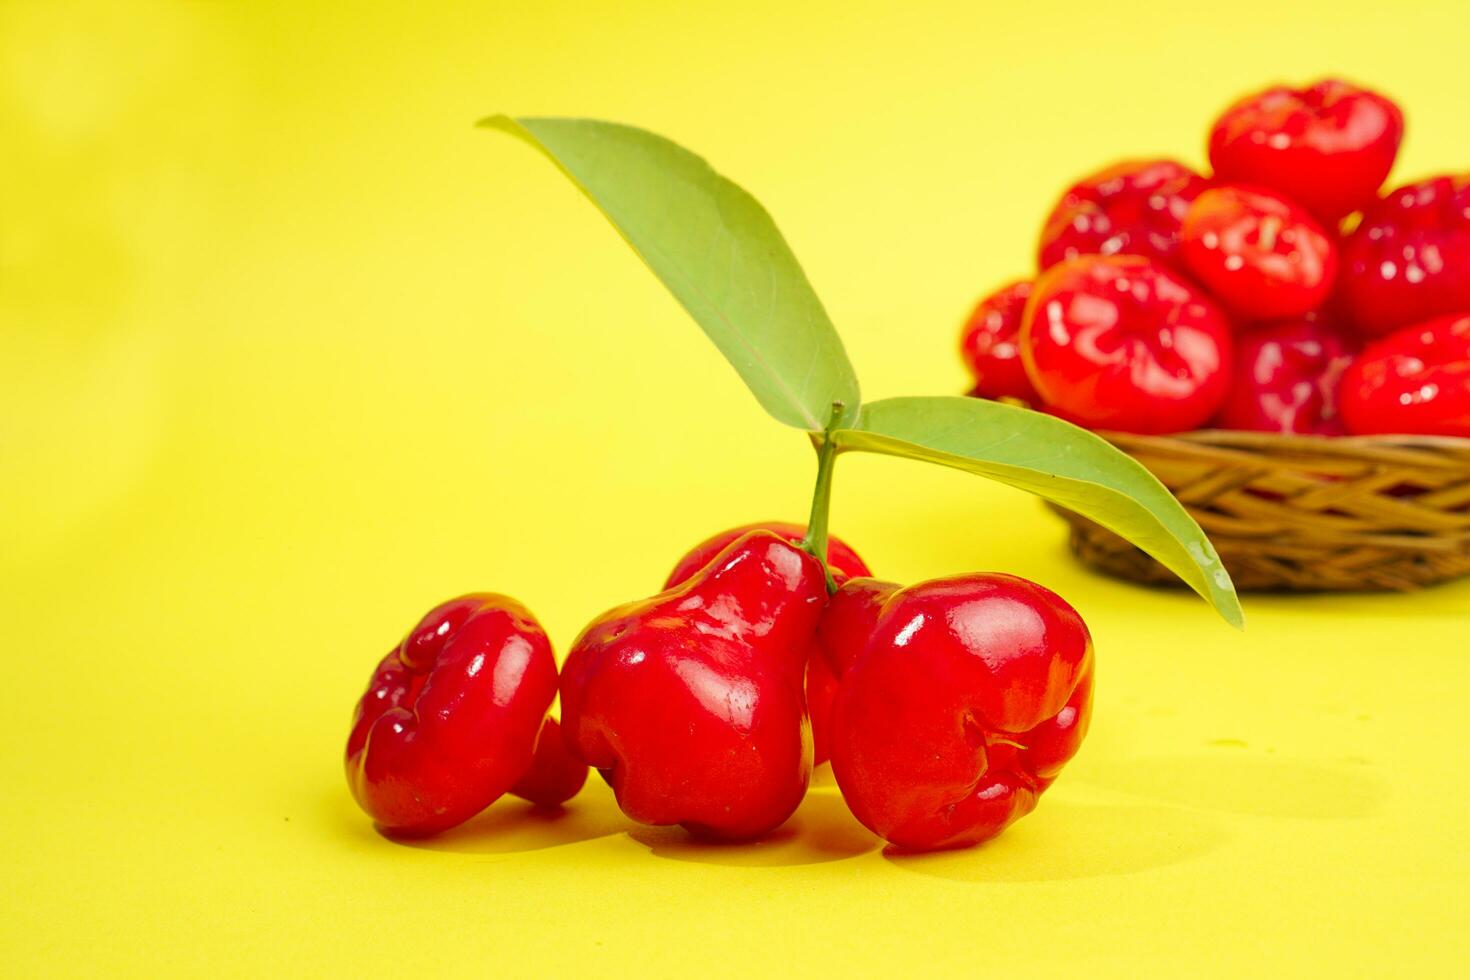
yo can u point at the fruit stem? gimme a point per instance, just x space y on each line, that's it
815 541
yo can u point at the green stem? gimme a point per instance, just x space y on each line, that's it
815 540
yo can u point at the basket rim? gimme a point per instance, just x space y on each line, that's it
1316 444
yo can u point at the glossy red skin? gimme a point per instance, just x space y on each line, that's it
1286 379
691 703
849 620
1122 343
821 685
555 774
969 696
450 718
1328 146
1131 208
821 690
1415 381
1409 258
844 561
1257 253
990 348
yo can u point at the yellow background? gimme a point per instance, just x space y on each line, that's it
290 352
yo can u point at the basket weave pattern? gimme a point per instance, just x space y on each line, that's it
1305 513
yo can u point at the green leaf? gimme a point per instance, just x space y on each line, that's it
1056 460
717 251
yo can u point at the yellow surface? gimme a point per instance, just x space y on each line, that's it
290 352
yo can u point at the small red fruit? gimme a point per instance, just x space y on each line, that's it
1130 208
450 719
555 775
691 702
1409 259
1286 379
989 345
960 706
1327 147
1122 343
821 685
845 562
1415 381
1259 254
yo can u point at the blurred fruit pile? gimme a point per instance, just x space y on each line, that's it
1279 294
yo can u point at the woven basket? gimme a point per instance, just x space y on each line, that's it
1375 513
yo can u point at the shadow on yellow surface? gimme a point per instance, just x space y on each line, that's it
513 826
1262 787
1445 599
821 831
1065 841
1164 828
